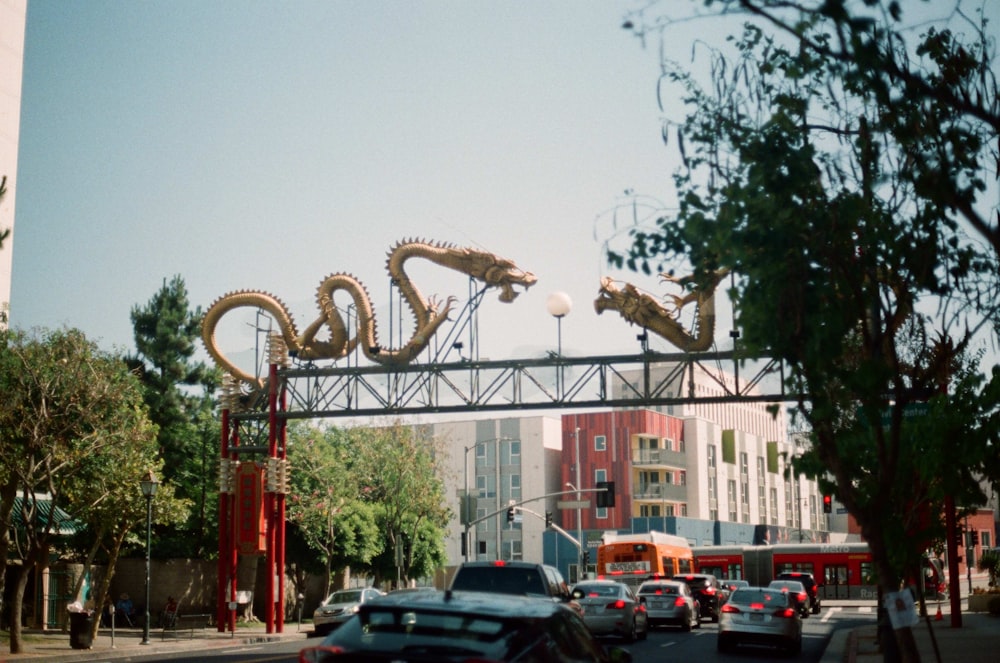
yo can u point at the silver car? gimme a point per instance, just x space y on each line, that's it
670 603
340 606
760 616
610 608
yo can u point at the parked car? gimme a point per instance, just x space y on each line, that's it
796 592
611 608
708 591
670 603
449 627
809 581
760 616
340 606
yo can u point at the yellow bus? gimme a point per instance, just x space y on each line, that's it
632 558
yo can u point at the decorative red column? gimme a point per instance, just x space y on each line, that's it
221 598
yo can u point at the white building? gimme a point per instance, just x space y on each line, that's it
12 24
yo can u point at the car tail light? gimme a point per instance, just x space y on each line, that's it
757 606
802 597
708 590
616 605
679 601
731 608
316 654
785 612
499 562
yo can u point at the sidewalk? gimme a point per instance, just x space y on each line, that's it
976 641
55 645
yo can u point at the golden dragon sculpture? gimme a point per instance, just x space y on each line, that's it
491 270
642 309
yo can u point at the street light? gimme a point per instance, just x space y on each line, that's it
148 486
558 305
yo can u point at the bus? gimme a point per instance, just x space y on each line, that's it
843 570
632 558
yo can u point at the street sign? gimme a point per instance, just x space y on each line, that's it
573 504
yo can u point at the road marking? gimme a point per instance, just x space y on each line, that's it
829 614
668 644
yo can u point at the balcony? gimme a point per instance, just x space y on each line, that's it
661 492
658 457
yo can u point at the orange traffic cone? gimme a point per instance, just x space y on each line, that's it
938 617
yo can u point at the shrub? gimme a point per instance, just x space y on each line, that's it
993 607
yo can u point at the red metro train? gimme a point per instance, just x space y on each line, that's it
844 570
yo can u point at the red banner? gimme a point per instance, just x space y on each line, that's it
251 526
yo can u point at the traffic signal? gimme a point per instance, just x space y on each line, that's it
959 537
974 535
510 515
828 504
548 519
606 498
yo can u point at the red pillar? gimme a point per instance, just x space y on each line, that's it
279 532
224 542
234 559
269 502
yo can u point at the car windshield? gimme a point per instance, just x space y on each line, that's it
348 596
759 596
445 634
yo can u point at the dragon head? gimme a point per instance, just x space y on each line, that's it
497 272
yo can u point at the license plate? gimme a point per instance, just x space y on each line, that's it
656 604
756 617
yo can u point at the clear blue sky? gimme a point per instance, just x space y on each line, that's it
266 145
263 145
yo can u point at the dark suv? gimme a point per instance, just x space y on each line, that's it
519 578
809 582
707 590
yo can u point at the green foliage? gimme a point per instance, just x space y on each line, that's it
836 173
989 561
358 493
178 392
73 426
993 606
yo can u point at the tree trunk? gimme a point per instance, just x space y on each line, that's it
16 646
102 591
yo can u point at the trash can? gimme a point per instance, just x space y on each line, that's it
80 624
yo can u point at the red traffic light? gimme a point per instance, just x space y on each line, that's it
827 503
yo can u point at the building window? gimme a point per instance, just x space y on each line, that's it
481 450
731 492
515 486
774 506
682 478
600 475
711 456
515 448
684 510
600 443
482 486
744 464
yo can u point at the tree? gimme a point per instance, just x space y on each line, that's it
359 493
402 473
325 504
69 413
166 334
837 173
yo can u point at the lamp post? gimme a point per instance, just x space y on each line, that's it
558 305
148 486
466 502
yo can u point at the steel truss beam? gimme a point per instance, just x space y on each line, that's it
553 382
